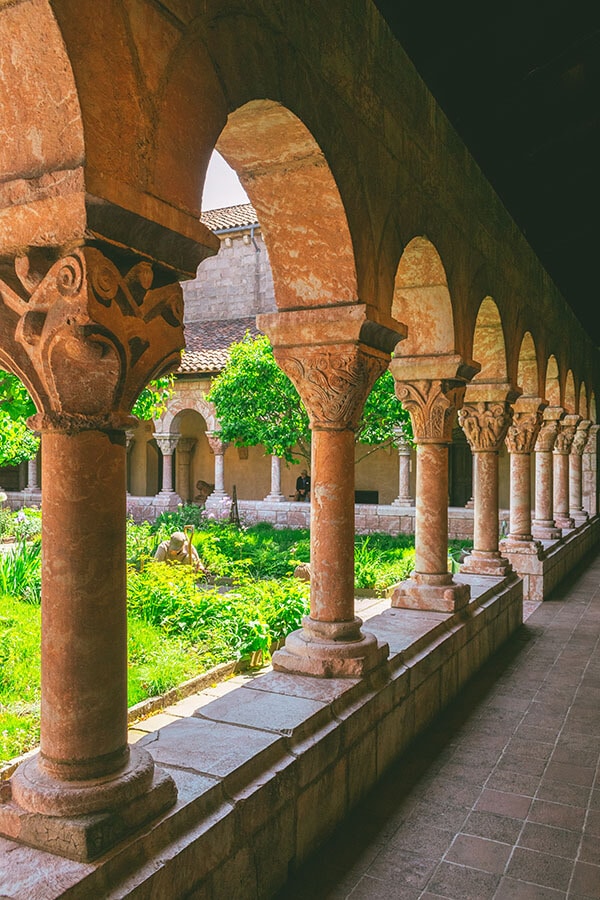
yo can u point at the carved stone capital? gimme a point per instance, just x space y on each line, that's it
566 434
186 444
86 332
485 423
217 446
333 381
167 443
582 434
432 405
527 421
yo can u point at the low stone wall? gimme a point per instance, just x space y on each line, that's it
543 571
266 772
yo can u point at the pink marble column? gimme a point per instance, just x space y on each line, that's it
561 452
432 406
485 423
590 472
167 444
404 497
95 348
333 371
544 527
185 447
578 513
218 448
520 441
275 495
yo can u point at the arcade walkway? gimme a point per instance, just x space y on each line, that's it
501 798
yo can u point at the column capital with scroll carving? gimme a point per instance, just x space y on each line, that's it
526 423
167 443
217 445
86 331
333 356
549 429
486 415
580 439
566 434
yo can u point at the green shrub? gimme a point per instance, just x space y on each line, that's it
21 572
6 523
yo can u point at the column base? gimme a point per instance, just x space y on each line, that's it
274 498
47 814
564 522
513 544
417 594
545 530
330 650
580 517
403 501
480 562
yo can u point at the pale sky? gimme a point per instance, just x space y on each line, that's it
222 186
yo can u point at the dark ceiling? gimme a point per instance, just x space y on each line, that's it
520 82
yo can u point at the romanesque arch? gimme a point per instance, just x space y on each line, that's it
570 402
179 404
489 345
582 407
553 395
528 373
422 301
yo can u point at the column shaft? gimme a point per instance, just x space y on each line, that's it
431 513
332 526
167 473
520 496
84 630
485 518
544 489
561 490
219 474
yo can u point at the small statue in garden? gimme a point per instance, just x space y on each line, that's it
178 548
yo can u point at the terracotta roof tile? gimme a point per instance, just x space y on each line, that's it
207 343
239 216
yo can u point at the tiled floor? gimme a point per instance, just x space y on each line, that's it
500 800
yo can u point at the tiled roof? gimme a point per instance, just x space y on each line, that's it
240 216
207 343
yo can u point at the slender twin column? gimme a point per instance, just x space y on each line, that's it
590 472
562 449
432 404
333 375
86 333
404 497
485 419
218 448
580 440
32 475
275 496
167 444
520 441
544 527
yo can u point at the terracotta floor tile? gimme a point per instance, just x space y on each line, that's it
540 868
462 883
504 804
511 889
546 839
479 853
586 880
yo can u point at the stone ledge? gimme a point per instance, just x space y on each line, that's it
265 772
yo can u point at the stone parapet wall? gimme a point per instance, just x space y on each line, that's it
268 770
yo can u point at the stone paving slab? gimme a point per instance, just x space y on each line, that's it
500 799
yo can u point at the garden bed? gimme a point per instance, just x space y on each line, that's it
179 636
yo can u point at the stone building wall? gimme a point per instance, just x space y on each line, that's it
237 282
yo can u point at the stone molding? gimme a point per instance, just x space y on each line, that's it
86 332
333 383
527 420
549 429
485 423
566 434
431 405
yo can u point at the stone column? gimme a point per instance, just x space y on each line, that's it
485 418
218 448
576 509
86 333
185 445
520 441
543 526
561 452
167 444
129 442
404 497
590 471
32 474
432 404
333 371
275 496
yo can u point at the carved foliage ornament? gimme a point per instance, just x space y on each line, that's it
485 424
217 446
581 438
86 336
564 438
523 432
547 436
431 406
333 384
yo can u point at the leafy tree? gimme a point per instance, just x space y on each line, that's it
257 404
153 400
